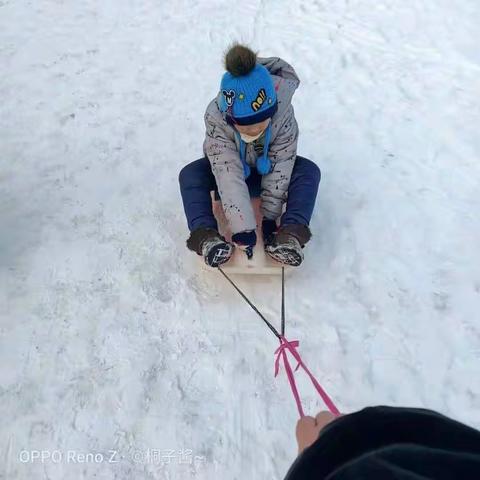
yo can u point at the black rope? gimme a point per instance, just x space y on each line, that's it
269 325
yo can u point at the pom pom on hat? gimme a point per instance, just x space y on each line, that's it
240 60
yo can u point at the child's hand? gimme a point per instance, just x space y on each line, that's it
309 428
246 241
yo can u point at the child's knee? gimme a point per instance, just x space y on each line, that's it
194 173
185 174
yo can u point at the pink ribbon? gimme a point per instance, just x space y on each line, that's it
291 347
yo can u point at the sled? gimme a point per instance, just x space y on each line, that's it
239 264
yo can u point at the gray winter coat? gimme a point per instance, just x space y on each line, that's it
222 148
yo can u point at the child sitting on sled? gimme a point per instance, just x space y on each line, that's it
250 148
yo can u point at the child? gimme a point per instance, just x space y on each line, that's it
250 149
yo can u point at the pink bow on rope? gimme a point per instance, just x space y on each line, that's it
291 346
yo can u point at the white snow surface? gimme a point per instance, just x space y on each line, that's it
113 338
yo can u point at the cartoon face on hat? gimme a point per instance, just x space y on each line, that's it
250 98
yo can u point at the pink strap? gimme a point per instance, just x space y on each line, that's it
291 346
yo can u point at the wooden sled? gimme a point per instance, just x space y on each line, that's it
239 264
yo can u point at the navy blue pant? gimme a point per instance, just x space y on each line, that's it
391 443
197 181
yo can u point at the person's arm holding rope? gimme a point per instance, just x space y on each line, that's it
383 443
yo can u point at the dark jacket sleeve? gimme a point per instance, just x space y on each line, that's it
375 440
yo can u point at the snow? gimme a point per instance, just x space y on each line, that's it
113 338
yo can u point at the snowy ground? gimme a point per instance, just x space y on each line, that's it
112 338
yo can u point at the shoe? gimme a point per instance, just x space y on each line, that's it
208 243
216 251
288 252
286 245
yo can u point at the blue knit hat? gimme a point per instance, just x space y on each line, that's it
250 98
246 100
